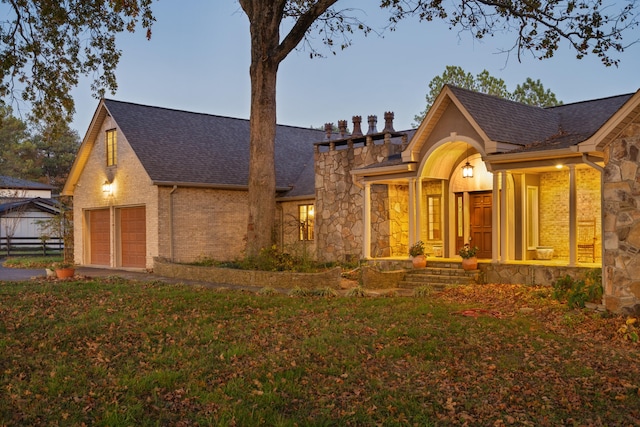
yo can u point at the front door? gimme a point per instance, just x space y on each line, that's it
480 205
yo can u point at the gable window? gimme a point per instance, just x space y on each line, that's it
433 218
305 219
112 147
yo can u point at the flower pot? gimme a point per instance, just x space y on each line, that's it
64 273
50 273
470 263
419 261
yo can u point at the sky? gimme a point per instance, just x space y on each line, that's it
199 54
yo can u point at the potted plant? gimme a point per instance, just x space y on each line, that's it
64 269
468 254
416 252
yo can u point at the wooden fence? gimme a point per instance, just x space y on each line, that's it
30 246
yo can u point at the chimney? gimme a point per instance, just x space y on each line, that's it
372 124
342 128
357 131
388 122
328 128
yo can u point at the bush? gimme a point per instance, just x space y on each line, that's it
580 291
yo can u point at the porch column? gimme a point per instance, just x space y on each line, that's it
366 245
495 221
418 208
504 246
412 211
573 207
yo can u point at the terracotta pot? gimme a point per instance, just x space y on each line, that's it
470 263
419 261
63 273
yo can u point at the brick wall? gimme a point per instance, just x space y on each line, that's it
131 187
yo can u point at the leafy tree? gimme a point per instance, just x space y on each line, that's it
46 44
530 92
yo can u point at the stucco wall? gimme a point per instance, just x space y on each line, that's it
131 186
207 223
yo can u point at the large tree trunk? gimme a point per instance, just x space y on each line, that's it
262 175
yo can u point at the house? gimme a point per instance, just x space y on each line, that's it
23 205
519 182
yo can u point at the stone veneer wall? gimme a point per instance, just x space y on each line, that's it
288 228
339 201
554 208
621 275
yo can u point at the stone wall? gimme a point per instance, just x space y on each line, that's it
229 276
621 275
339 200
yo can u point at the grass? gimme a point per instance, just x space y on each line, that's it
110 352
31 261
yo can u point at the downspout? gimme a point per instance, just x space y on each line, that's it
173 190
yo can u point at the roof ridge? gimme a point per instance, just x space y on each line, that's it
584 101
176 110
496 97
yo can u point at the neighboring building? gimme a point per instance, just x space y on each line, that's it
175 186
23 204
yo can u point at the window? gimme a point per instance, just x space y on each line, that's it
305 215
532 217
112 147
433 218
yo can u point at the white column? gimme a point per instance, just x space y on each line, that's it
366 244
504 246
412 211
418 220
495 221
573 207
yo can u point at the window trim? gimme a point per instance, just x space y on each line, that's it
111 147
306 226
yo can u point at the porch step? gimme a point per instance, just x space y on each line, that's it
438 275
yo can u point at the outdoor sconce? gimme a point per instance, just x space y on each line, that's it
467 169
106 188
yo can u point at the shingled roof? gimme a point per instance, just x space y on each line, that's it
179 146
536 128
9 182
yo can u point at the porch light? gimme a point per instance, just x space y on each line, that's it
106 188
467 169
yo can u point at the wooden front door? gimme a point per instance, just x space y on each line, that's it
100 237
133 237
480 205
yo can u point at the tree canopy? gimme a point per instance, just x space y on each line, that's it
531 92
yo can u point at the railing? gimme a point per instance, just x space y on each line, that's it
30 246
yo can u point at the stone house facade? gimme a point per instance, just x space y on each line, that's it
178 190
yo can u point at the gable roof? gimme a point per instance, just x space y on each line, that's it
181 147
537 128
46 205
186 147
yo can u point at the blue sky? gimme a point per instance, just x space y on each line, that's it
198 60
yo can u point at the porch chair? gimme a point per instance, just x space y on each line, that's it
587 239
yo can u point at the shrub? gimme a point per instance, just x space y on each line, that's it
356 292
423 291
579 291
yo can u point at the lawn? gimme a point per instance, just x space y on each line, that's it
110 352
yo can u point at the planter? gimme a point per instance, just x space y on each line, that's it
419 261
50 272
470 263
64 273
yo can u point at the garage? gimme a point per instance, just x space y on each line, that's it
133 237
100 242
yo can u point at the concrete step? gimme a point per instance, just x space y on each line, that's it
439 276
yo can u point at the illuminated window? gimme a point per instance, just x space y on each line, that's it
434 221
305 215
112 147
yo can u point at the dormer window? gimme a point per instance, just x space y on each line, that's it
112 147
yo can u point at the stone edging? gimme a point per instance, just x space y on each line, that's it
228 276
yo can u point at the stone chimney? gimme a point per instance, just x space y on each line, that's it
388 122
328 128
373 120
342 128
357 130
